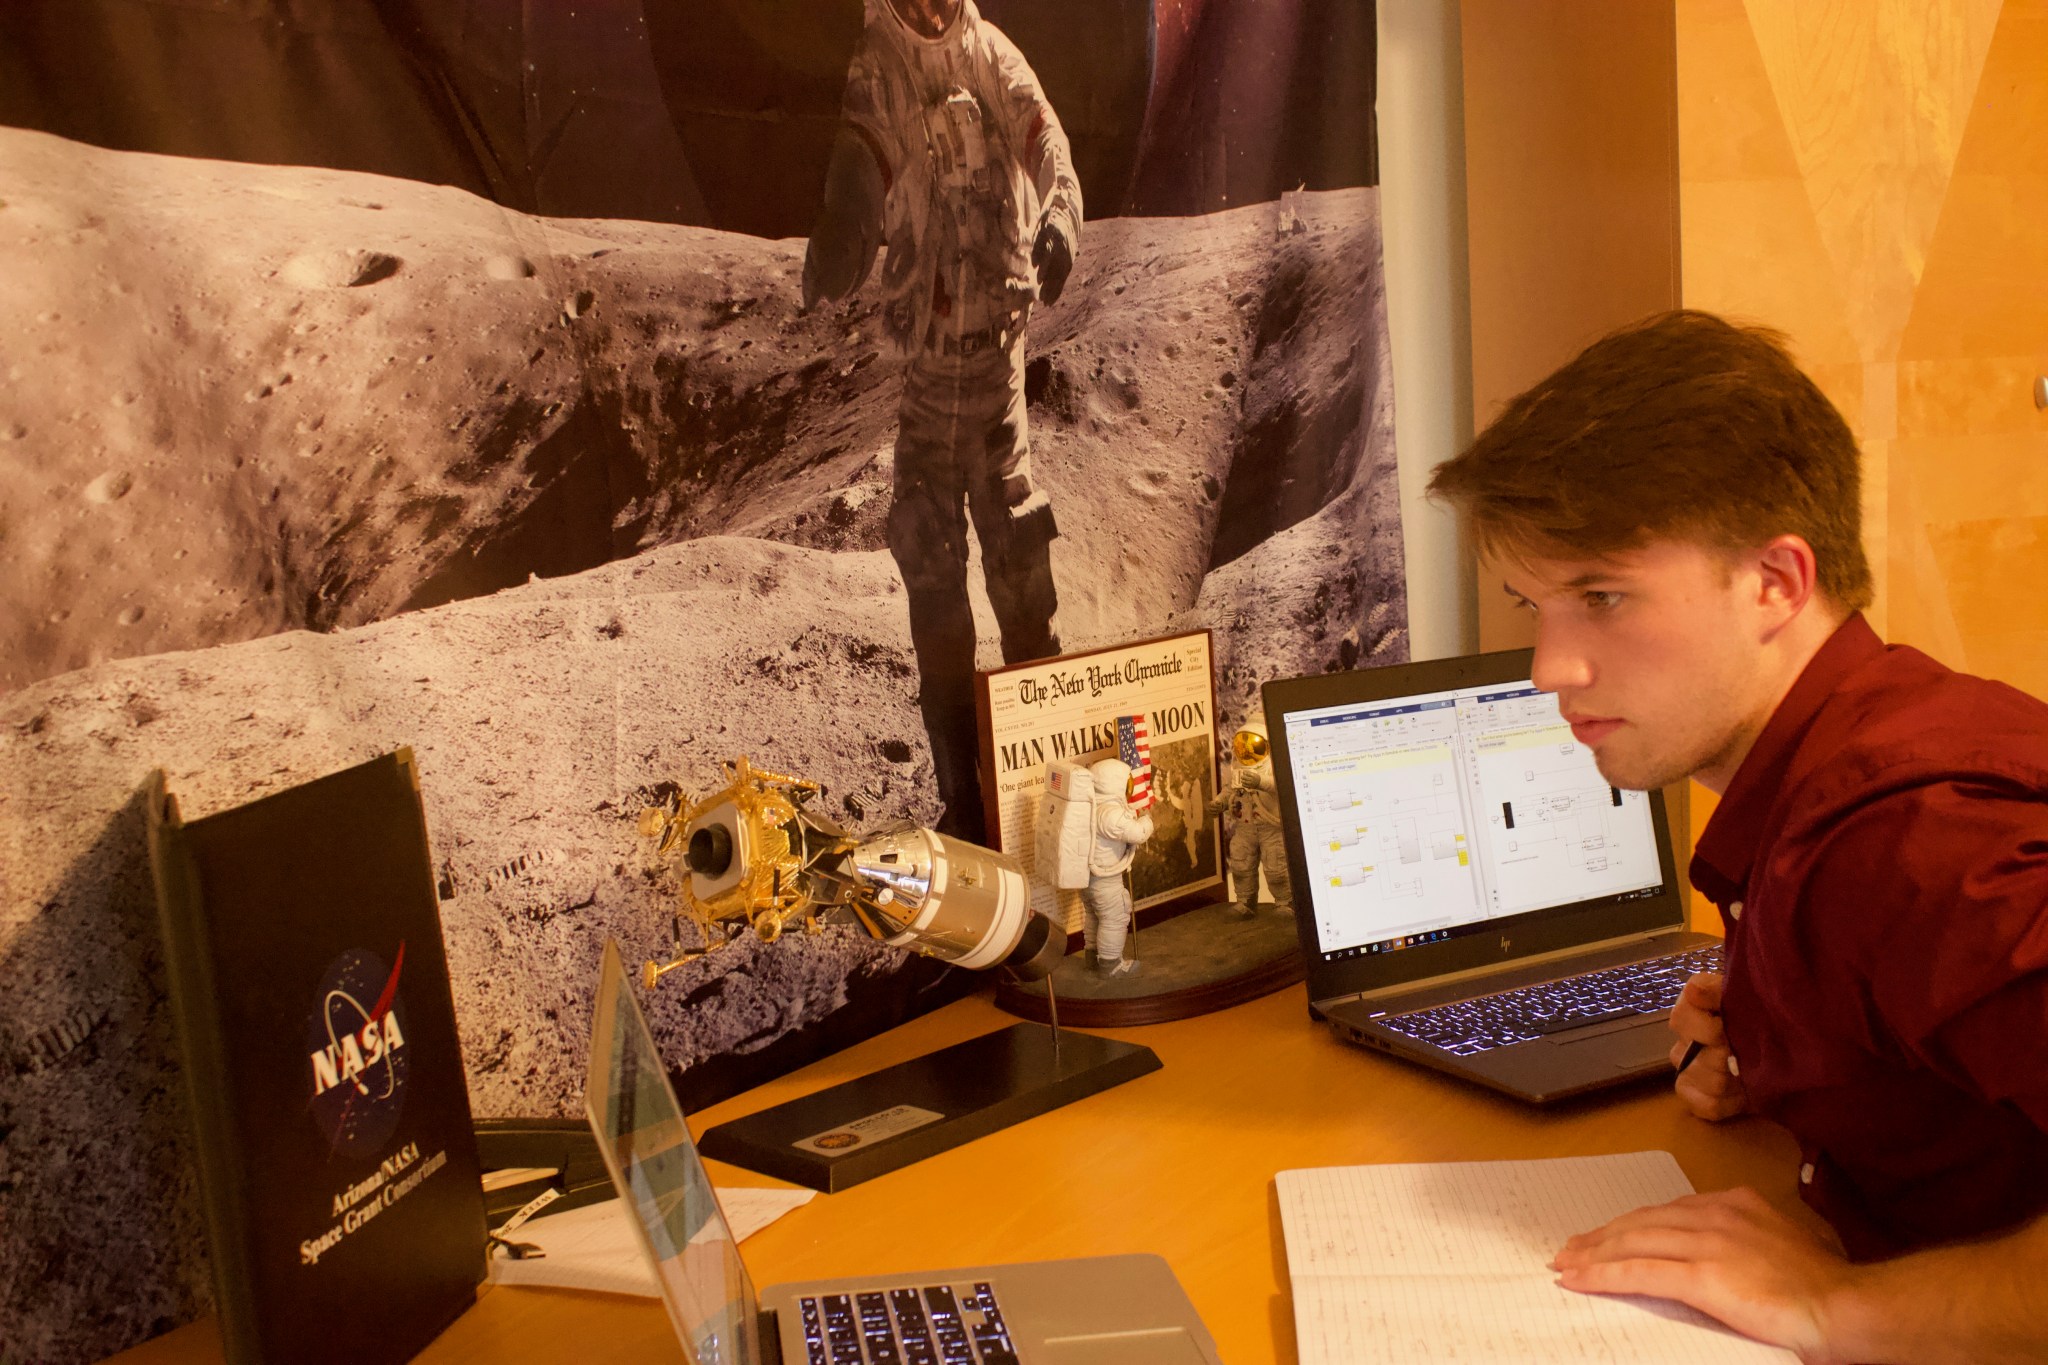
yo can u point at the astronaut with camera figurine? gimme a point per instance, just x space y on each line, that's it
1253 799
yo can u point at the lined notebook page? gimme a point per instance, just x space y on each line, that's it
1449 1261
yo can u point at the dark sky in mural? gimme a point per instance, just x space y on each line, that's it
716 113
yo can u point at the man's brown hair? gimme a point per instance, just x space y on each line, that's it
1680 427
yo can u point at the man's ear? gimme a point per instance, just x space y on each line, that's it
1786 579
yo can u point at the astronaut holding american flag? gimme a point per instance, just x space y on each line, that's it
1123 801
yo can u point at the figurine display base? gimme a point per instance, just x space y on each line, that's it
975 1088
1203 959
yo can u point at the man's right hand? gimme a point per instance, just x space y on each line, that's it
1709 1087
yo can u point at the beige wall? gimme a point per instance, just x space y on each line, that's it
1571 168
1871 177
1571 195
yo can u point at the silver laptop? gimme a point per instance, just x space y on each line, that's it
1073 1312
1471 893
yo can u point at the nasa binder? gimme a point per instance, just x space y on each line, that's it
337 1162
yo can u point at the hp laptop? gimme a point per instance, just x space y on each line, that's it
1471 893
1076 1312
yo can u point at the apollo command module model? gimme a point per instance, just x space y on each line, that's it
754 860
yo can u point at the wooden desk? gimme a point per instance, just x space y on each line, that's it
1179 1162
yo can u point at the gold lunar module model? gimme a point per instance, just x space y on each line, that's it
754 859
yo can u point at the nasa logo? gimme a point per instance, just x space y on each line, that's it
356 1052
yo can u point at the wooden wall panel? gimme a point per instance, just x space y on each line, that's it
1868 177
1851 172
1969 524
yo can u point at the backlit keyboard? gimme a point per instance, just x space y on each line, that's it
1530 1012
936 1325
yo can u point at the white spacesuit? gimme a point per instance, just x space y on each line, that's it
949 153
1255 840
1119 829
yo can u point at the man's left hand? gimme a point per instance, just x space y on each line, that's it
1730 1255
1053 258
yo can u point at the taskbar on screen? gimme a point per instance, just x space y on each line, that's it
1393 945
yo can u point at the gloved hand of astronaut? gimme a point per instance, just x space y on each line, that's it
1052 256
1120 827
1256 844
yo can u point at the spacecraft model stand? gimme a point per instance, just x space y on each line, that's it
886 1120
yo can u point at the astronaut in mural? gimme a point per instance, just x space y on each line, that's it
949 154
1120 827
1253 800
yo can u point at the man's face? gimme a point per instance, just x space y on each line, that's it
927 18
1655 656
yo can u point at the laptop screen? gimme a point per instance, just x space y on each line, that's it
1423 816
1432 802
653 1161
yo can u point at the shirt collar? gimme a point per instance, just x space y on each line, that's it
1727 848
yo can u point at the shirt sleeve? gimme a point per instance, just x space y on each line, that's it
1947 887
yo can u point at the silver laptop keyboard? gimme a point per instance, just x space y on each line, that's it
1530 1012
929 1326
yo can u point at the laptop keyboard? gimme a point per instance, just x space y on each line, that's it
929 1326
1530 1012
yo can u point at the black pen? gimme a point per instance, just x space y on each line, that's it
1692 1052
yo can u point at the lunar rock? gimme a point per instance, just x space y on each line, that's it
543 719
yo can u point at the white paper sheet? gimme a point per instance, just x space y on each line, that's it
1449 1261
595 1247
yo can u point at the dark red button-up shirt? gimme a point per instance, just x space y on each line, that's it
1887 972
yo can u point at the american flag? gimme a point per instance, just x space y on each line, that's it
1136 751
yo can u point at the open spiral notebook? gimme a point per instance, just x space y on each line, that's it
1450 1261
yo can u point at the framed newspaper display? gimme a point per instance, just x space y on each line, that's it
1068 708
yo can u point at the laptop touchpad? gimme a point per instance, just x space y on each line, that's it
1645 1044
1156 1346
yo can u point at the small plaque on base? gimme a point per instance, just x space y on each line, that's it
855 1131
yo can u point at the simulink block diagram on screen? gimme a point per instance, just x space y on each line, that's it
1391 796
1385 833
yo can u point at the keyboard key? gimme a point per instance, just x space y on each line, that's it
1466 1027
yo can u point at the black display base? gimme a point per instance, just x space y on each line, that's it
971 1089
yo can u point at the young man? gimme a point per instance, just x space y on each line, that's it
1679 506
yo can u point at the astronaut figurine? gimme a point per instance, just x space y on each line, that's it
949 153
1119 829
1254 801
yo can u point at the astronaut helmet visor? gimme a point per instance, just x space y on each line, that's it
1250 747
927 18
1130 789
